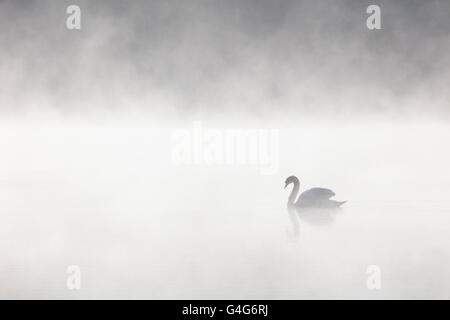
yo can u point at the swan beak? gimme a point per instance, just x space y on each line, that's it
285 185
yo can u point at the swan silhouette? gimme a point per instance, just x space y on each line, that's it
312 198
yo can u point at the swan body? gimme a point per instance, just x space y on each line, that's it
312 198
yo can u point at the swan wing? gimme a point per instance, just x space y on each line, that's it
316 194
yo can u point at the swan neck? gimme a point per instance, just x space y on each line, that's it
294 193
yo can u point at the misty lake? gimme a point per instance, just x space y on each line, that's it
110 200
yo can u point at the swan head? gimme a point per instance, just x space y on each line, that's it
291 179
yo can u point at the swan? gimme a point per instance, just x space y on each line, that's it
312 198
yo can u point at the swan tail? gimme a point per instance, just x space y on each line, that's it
340 203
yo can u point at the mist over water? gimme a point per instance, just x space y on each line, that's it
87 170
110 200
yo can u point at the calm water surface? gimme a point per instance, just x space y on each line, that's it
111 201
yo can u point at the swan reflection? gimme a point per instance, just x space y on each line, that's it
313 206
310 216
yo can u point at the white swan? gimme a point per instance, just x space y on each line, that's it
312 198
